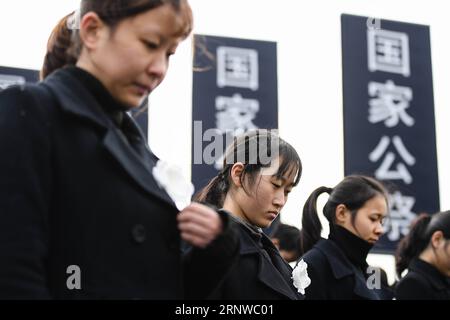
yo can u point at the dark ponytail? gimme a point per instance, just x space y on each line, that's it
418 238
214 193
58 49
311 226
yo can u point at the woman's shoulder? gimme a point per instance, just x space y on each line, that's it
25 99
316 258
319 252
412 286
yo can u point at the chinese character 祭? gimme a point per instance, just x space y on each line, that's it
400 217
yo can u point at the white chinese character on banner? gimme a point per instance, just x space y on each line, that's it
7 80
388 51
400 216
236 113
384 172
390 105
237 67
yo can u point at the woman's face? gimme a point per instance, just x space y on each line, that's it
442 256
132 59
368 221
265 198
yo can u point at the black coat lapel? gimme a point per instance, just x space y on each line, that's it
342 267
271 277
73 98
267 273
141 172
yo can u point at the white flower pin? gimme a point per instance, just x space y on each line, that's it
300 276
170 177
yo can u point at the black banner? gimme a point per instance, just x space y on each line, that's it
234 91
389 127
15 76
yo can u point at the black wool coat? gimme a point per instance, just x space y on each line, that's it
333 276
423 282
74 193
259 273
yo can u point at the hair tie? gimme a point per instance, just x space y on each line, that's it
73 22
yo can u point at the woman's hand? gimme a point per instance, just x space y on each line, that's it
199 224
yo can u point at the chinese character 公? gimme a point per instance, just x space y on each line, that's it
384 172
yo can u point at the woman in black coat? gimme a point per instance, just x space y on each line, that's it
253 192
85 210
337 266
425 252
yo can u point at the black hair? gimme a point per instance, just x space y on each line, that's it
289 238
418 238
255 142
353 192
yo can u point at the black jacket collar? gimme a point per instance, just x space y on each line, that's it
436 279
354 248
342 267
257 243
75 99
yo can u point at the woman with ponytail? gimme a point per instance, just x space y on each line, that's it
337 266
252 190
425 252
87 211
59 48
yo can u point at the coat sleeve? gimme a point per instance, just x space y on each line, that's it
204 269
24 195
413 288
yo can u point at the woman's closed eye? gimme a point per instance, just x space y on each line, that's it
377 219
150 44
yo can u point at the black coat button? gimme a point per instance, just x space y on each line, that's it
139 233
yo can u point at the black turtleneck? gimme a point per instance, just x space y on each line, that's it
110 106
354 248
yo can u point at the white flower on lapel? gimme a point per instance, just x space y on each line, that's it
300 276
170 177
